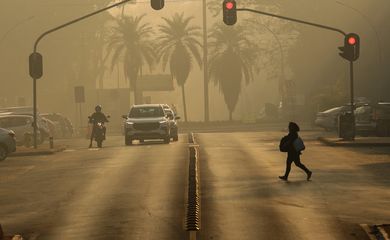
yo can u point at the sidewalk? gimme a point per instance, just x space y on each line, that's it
359 142
41 150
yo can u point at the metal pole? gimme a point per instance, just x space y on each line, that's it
81 117
75 21
35 111
293 20
352 99
205 65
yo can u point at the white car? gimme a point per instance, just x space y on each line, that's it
22 126
7 143
146 121
328 119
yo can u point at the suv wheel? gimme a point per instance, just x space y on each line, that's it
176 138
3 153
128 141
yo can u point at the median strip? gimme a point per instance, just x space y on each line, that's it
193 199
377 232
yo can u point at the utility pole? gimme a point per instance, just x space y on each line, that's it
205 65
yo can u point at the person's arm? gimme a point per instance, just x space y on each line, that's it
92 118
105 118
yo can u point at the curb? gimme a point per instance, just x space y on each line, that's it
37 153
351 144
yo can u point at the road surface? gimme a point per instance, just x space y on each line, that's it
138 192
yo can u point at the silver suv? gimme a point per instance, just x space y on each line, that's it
146 121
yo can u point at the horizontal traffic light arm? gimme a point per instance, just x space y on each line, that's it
76 20
293 20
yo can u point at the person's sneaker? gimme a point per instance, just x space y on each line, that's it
309 176
283 178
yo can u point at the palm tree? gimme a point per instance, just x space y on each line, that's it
232 59
179 45
130 41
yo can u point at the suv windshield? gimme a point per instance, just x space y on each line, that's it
146 112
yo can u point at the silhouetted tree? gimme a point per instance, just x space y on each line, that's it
179 45
232 59
130 41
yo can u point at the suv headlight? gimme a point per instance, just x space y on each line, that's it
129 124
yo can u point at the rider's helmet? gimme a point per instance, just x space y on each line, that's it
98 108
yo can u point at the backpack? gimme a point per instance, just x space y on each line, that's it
283 145
298 144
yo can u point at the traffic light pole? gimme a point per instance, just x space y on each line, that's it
318 26
35 51
35 111
352 99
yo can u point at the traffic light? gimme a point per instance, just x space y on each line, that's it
157 4
35 65
229 12
351 48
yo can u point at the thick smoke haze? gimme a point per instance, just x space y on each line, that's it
72 56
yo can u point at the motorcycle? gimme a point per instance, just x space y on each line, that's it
99 133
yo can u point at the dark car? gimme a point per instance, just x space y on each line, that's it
7 143
373 119
173 123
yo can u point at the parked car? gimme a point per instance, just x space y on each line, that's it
43 126
146 121
328 119
22 126
373 119
7 143
54 127
172 118
65 124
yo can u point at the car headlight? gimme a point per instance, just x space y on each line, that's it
12 134
129 123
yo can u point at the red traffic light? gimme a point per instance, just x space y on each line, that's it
229 5
352 40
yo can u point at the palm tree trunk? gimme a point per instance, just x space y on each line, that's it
184 103
230 115
135 92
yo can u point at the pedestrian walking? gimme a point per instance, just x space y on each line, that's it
293 145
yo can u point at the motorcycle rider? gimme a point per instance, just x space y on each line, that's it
96 117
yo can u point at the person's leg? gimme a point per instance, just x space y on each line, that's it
92 135
288 169
303 167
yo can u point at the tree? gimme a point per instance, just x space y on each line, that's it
179 45
232 59
130 41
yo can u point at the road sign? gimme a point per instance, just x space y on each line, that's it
79 94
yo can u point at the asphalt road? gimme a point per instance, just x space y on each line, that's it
138 192
242 197
117 192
